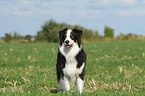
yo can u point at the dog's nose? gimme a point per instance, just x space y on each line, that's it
66 41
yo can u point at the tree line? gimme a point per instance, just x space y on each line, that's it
49 32
16 37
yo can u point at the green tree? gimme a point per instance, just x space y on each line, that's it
47 30
28 37
8 37
51 28
109 32
87 33
96 34
40 36
17 35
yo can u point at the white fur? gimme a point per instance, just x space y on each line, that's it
80 85
68 37
71 72
64 84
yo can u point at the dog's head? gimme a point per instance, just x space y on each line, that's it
69 37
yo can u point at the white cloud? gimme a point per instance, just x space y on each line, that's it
90 14
112 4
133 13
28 2
105 1
143 2
128 2
21 13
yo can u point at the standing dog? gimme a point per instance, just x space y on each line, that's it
71 60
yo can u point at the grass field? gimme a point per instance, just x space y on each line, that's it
113 68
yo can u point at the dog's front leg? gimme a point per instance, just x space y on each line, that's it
64 84
80 85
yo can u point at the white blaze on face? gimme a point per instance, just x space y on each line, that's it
68 35
68 38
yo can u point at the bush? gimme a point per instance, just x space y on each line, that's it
8 37
40 36
109 32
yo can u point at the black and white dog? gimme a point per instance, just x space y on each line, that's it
71 60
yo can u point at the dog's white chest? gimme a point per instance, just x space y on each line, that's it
70 66
70 70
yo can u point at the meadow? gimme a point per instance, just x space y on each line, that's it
113 68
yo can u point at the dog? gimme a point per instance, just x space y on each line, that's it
71 60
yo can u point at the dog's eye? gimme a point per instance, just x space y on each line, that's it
65 35
71 36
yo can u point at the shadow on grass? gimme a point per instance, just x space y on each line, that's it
55 90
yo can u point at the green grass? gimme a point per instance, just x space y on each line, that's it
113 68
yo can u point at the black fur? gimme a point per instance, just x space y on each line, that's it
81 58
77 36
61 36
60 65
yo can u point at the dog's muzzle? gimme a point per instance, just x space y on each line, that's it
67 45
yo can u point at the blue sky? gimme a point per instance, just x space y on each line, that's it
27 16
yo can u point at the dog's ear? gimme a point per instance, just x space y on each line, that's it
62 32
79 32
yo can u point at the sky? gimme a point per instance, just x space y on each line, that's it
27 16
